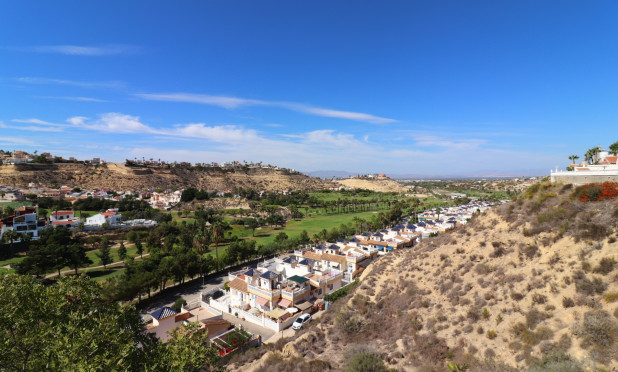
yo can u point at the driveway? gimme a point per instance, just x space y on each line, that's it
189 292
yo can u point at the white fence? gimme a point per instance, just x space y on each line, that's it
223 306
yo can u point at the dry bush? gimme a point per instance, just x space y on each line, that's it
538 298
534 317
517 296
606 265
586 286
567 302
599 334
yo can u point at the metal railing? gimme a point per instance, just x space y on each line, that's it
294 293
265 292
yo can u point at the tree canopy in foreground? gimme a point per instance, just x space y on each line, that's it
68 325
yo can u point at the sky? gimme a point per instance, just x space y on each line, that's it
396 87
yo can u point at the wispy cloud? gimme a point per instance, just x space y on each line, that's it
80 99
37 122
83 84
121 123
31 128
235 102
80 50
4 141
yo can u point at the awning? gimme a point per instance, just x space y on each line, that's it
298 279
304 305
261 301
284 303
277 313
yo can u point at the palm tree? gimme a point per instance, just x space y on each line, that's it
573 158
217 233
590 154
10 236
201 241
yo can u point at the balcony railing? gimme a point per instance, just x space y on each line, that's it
265 292
293 294
329 279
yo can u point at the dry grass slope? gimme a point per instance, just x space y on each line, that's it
120 177
531 285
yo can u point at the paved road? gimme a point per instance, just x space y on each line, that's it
189 292
289 332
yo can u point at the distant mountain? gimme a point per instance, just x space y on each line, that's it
488 173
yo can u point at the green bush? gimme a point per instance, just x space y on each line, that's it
178 304
367 362
340 292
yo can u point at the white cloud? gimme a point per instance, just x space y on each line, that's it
80 99
223 133
16 141
234 102
83 84
113 122
357 116
221 101
37 122
328 137
80 50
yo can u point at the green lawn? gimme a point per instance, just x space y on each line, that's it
17 204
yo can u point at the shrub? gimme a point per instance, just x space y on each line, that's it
486 313
349 322
530 251
491 334
567 302
517 296
178 304
594 191
534 317
598 329
557 362
587 286
538 298
366 362
611 296
606 265
340 292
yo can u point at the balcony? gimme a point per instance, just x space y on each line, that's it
264 292
293 294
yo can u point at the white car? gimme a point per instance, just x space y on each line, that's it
300 321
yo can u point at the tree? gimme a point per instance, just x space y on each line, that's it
573 158
75 255
10 236
139 247
122 252
104 255
613 148
81 331
217 233
590 154
252 223
201 241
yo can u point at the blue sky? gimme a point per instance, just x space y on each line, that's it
401 87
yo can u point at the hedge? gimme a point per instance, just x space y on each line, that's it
340 292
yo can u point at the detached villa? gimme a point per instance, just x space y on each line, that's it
110 216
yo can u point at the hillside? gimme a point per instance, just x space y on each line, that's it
531 285
379 185
119 177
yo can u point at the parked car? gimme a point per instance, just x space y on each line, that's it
300 321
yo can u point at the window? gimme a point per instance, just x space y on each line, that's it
330 287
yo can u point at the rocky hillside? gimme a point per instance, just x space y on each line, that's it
380 185
119 177
530 285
